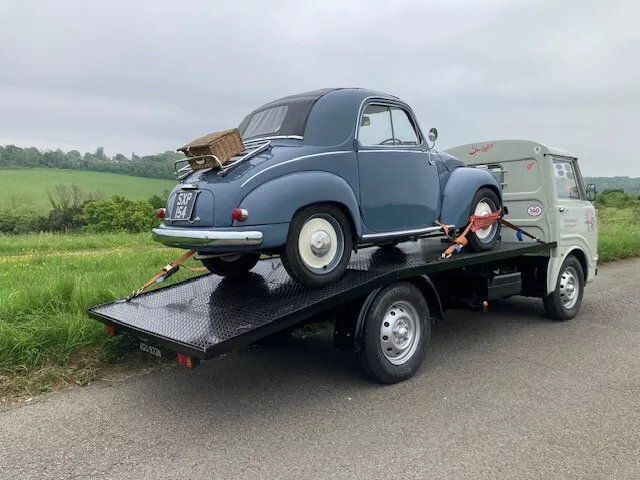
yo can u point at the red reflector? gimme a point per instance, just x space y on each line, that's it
239 214
185 360
160 213
110 330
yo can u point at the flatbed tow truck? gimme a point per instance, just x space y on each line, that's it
389 297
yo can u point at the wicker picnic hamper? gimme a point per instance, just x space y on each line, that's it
224 145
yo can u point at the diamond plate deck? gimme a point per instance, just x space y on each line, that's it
208 315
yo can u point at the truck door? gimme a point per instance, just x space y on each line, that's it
399 185
577 216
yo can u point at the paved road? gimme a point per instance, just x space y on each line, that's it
503 395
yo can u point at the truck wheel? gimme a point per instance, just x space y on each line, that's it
485 201
231 265
318 245
395 335
564 302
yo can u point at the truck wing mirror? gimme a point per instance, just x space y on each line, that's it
591 192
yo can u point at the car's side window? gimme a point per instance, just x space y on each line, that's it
386 125
375 125
565 179
403 129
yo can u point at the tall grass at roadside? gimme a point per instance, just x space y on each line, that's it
42 243
618 234
43 301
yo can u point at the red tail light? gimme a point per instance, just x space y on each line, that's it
186 360
160 212
239 214
110 330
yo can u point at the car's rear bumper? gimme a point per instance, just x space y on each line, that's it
181 237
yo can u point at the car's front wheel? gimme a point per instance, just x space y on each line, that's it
231 265
484 202
318 245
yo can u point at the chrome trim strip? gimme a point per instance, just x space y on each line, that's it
274 137
294 160
400 233
387 151
177 237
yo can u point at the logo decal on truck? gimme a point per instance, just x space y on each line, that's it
534 210
590 220
481 149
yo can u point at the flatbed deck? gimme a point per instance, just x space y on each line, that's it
205 316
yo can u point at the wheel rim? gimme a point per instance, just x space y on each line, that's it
400 332
485 207
321 243
569 288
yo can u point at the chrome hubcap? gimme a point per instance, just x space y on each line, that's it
569 288
400 332
320 243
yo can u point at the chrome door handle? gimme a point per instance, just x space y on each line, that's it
563 209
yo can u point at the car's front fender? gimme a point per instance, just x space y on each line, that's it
458 193
277 200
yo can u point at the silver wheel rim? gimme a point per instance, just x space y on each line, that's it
400 332
569 288
485 207
321 243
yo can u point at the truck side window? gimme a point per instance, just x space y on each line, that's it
566 184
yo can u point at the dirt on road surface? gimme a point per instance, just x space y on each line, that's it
508 394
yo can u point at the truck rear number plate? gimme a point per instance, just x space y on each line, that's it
145 347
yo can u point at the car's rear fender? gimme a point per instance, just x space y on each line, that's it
459 190
277 200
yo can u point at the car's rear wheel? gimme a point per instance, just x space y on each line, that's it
231 265
484 202
318 245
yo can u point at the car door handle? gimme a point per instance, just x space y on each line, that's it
563 209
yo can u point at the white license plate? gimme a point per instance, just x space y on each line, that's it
145 347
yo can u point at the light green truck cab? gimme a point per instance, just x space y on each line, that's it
545 195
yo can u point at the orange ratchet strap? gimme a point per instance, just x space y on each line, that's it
166 272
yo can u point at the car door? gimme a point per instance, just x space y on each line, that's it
577 215
399 188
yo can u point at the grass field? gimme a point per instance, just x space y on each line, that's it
48 280
33 184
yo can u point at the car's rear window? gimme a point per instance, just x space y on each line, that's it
266 122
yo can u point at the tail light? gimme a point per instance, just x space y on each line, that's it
239 214
110 330
160 212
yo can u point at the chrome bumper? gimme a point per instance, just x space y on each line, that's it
180 237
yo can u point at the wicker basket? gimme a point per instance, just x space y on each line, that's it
224 145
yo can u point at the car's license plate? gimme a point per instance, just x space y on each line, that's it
183 206
145 347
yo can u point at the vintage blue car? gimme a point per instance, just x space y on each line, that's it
324 173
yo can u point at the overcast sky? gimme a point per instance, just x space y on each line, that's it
148 76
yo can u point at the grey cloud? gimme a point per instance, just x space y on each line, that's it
145 77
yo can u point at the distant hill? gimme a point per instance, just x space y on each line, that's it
628 184
32 184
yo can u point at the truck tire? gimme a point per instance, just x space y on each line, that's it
484 201
318 245
564 302
232 265
395 334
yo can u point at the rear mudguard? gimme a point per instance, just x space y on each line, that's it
458 193
278 200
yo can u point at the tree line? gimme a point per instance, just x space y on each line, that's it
159 165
